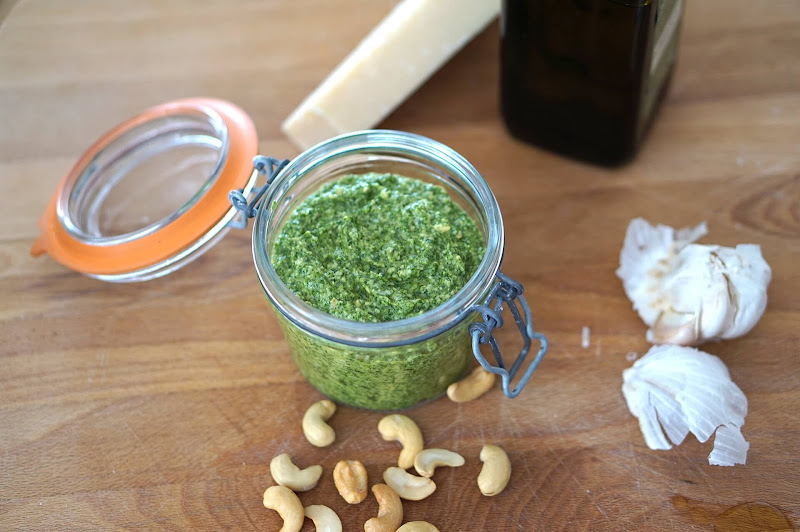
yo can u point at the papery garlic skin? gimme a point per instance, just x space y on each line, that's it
691 293
730 447
674 390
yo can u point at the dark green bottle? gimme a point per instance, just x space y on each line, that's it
585 77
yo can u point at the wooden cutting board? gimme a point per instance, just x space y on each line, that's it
158 406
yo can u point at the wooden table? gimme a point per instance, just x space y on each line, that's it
158 406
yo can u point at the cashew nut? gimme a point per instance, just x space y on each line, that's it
408 486
319 433
495 472
285 502
418 526
325 519
429 459
472 386
390 510
402 429
287 474
350 477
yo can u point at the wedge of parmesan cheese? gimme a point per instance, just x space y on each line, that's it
414 40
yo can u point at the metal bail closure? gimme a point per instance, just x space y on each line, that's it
508 291
268 166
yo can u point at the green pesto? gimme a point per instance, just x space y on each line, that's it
377 248
384 378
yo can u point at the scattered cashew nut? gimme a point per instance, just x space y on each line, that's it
472 386
397 427
350 478
325 519
319 433
408 486
418 526
285 502
495 472
429 459
285 473
390 510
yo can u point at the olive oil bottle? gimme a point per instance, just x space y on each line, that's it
585 77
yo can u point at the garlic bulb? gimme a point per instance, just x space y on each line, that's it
690 293
675 390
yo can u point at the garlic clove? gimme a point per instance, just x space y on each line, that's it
673 328
749 277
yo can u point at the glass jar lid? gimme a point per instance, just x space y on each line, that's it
151 194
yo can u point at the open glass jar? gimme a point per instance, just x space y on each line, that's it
383 366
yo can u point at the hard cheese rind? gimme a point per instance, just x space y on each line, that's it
400 53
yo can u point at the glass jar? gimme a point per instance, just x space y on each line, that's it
388 365
384 366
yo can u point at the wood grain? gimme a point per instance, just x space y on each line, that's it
158 406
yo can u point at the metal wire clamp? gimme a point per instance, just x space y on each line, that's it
506 290
268 166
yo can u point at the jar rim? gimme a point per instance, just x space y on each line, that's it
160 248
80 205
392 333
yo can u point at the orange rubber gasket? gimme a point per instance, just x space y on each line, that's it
169 240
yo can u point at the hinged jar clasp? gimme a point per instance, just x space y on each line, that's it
506 290
268 166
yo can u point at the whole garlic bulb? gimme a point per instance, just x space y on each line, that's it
691 293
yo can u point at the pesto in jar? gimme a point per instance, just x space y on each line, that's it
377 247
381 378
